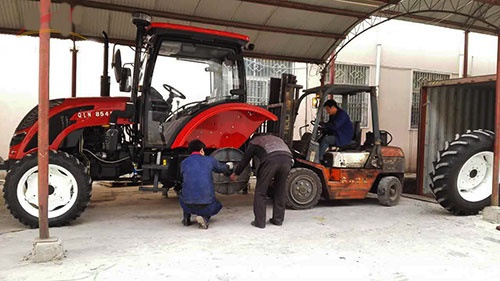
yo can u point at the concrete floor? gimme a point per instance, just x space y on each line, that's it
131 235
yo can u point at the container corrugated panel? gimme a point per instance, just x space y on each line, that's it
453 107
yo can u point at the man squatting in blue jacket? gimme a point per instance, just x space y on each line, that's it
338 131
198 195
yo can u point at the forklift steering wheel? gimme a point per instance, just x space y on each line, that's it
174 92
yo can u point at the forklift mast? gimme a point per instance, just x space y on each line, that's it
284 102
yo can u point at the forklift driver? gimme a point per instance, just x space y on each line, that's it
338 131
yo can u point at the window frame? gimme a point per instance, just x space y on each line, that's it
415 94
364 106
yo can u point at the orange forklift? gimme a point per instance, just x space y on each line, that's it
348 172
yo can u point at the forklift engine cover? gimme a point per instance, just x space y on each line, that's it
340 159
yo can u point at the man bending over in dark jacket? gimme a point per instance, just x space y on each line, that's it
198 195
274 161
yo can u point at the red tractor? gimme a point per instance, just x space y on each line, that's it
139 138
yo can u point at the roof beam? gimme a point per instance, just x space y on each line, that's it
492 2
162 14
309 7
285 58
132 43
430 21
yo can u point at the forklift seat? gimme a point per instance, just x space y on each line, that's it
302 145
357 132
356 138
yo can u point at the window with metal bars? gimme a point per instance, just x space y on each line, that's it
419 79
358 104
259 73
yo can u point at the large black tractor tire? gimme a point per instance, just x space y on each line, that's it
463 171
70 189
303 189
389 191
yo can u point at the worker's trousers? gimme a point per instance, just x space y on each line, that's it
274 170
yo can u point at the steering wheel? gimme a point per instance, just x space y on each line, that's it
174 92
320 132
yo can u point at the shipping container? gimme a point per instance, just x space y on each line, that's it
450 107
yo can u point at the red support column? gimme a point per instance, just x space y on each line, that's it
43 124
496 158
332 70
421 141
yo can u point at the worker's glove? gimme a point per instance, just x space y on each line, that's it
230 167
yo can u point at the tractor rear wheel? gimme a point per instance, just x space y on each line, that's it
69 187
461 181
303 189
389 191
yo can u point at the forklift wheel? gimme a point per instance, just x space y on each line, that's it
389 191
303 189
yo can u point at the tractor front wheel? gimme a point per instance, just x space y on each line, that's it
69 189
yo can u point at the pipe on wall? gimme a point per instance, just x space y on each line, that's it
378 66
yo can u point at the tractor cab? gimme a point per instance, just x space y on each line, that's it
184 70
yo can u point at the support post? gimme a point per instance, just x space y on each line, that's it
466 55
421 141
44 248
43 116
323 76
496 158
74 51
332 70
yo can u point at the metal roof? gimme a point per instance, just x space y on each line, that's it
297 30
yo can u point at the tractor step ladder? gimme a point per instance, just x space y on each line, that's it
156 169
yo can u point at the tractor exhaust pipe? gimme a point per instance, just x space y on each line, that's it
105 77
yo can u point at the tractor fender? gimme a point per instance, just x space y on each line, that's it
65 116
223 125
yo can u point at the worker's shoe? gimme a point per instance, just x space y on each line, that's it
186 219
275 222
186 222
258 226
203 222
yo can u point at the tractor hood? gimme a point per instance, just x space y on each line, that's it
221 125
65 116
